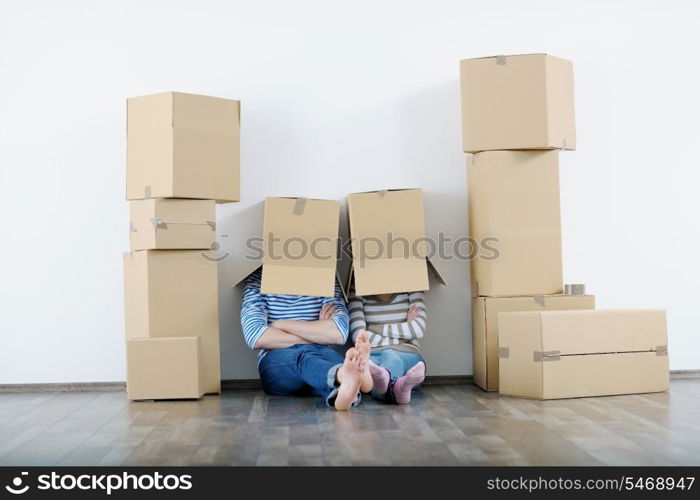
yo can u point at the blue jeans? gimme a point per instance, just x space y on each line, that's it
397 363
302 369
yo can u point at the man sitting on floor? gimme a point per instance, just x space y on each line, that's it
293 334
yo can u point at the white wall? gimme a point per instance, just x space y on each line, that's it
338 96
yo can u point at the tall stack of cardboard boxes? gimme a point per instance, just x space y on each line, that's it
517 112
183 156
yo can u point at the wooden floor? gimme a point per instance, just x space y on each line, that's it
444 425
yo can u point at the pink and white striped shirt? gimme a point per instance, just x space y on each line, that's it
387 322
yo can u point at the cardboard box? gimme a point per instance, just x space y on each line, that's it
517 102
569 354
485 312
164 368
387 231
513 196
183 146
300 243
174 293
161 223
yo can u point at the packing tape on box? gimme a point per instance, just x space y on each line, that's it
503 352
212 225
546 355
575 289
159 224
299 206
132 228
147 191
539 299
501 60
382 193
563 143
661 350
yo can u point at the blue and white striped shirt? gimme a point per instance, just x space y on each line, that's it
258 310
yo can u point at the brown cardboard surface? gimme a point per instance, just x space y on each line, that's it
513 196
485 312
160 223
183 146
300 242
517 102
164 368
377 218
174 293
564 354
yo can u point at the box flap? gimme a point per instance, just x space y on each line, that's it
385 278
255 266
186 211
501 56
384 191
247 271
376 214
149 114
603 331
604 374
208 114
160 212
298 280
434 271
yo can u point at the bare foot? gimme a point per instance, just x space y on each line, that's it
362 346
349 376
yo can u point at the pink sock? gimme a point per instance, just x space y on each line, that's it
380 377
404 385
